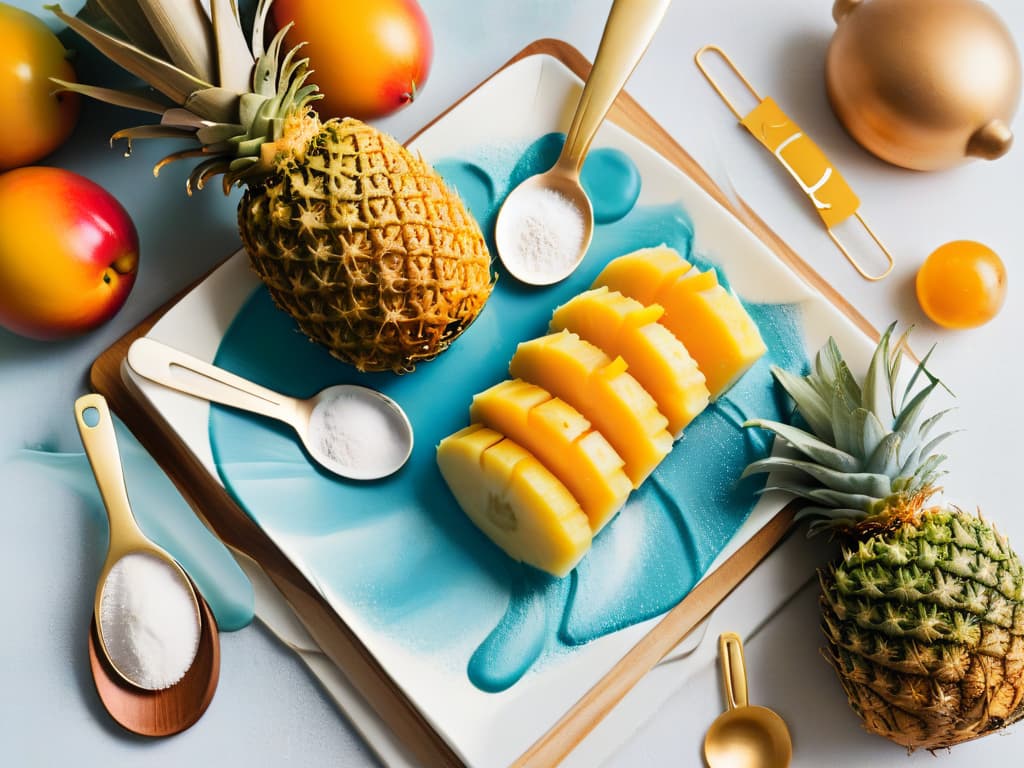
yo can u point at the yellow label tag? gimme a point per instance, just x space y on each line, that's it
805 161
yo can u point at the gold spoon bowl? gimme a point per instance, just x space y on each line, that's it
744 736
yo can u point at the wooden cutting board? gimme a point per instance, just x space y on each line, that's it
212 503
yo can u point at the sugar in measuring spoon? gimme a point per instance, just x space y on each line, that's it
546 224
154 649
146 612
352 431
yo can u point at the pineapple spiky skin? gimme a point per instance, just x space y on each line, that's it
361 243
923 612
925 629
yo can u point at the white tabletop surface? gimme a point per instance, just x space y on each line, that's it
268 709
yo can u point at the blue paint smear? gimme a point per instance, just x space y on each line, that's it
612 182
402 553
535 609
165 517
609 177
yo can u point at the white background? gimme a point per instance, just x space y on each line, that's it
268 710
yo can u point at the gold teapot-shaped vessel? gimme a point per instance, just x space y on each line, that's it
924 84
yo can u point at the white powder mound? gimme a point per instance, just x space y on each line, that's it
148 621
358 433
544 234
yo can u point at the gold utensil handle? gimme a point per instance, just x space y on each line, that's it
96 426
184 373
627 33
734 670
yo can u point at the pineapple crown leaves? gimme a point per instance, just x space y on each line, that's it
866 457
211 86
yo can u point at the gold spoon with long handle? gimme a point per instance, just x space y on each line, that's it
96 427
627 34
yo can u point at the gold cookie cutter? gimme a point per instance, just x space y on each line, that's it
832 197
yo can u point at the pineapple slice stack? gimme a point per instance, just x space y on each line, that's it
514 499
623 327
562 439
603 391
593 407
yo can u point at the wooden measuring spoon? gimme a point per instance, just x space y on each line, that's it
168 711
137 708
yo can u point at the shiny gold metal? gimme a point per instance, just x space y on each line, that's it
833 199
856 264
744 736
627 34
714 83
843 7
924 84
96 427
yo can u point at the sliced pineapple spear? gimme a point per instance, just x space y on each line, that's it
514 500
564 442
709 321
600 388
650 312
624 327
641 274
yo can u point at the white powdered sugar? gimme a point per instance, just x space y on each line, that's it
357 433
148 621
544 234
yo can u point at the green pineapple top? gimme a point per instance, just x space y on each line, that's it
866 462
240 102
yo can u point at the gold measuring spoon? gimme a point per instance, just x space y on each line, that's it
627 33
744 736
133 705
363 454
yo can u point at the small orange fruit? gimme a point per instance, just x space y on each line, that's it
369 57
962 284
35 120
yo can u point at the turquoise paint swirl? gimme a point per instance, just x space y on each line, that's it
164 517
400 551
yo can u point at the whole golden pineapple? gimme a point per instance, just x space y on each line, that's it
923 612
355 237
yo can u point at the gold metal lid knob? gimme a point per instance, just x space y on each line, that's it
842 7
991 141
